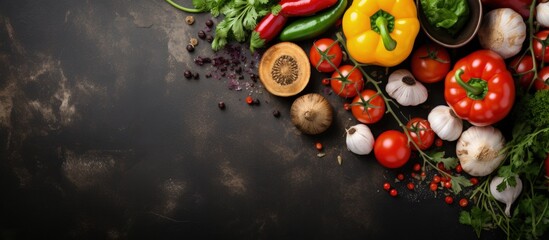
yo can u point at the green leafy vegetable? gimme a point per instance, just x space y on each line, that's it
450 15
476 218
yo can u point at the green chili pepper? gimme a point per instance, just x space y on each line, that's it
313 26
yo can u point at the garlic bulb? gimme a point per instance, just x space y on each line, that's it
404 88
445 123
542 14
503 31
360 139
507 196
479 150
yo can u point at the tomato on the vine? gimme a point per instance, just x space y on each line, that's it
323 50
391 149
523 66
542 82
368 107
430 63
347 82
538 46
421 132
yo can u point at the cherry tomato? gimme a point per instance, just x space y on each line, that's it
323 50
542 82
538 46
386 186
391 149
393 192
449 199
410 186
463 202
368 107
433 186
348 82
521 64
430 63
421 132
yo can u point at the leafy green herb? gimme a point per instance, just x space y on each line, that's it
449 162
450 15
476 218
240 18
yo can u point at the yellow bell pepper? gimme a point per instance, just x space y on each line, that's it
381 32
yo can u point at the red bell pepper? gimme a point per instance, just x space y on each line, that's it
480 89
268 28
297 8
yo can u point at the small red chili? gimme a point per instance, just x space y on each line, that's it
393 192
449 199
249 100
463 202
386 186
474 180
318 146
400 176
410 186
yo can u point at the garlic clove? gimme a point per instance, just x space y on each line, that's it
405 89
445 123
359 139
507 196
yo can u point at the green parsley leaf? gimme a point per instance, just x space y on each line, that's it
449 162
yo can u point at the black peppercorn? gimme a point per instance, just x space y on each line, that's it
190 48
221 105
209 23
256 102
201 34
276 113
188 74
209 38
196 76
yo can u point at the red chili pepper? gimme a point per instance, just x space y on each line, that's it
268 28
480 89
547 165
297 8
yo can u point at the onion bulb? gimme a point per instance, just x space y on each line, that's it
479 150
503 31
403 87
311 113
360 139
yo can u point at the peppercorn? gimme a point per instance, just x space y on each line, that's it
221 105
256 101
201 34
188 74
209 23
209 38
276 113
196 76
190 48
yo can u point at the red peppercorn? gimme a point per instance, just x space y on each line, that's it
436 179
400 176
474 180
318 146
417 167
463 202
347 106
439 142
249 100
393 192
448 184
459 169
386 186
410 186
449 199
326 81
433 186
441 166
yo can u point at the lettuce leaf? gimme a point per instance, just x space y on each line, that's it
450 15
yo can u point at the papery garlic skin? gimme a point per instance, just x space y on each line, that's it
507 196
479 150
445 123
503 31
405 89
360 139
542 14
